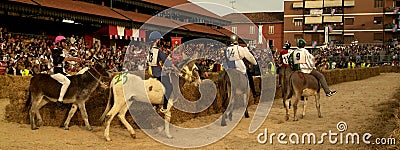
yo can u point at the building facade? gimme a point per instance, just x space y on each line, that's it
320 22
261 29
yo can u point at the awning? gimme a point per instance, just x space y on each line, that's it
313 20
332 18
333 3
313 4
298 5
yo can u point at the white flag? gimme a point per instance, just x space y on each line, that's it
260 40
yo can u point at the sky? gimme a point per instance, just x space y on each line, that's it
242 6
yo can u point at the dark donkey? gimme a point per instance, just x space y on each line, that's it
301 84
228 93
82 85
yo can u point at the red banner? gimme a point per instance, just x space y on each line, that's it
176 50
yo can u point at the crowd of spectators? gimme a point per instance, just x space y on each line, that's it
345 56
23 53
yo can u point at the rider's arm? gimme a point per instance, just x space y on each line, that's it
310 60
246 53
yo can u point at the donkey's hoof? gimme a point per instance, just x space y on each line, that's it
169 136
302 116
320 117
108 139
133 136
66 128
223 124
34 128
89 128
295 119
286 118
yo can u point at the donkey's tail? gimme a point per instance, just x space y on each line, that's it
28 102
289 88
108 107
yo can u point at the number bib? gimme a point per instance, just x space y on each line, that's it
152 57
232 53
299 57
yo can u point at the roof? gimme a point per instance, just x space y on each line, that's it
24 1
82 7
189 7
257 17
160 21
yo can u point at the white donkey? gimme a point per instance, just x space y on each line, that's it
139 89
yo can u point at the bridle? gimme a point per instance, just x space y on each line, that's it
98 73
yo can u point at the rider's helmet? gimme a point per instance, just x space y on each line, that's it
287 45
234 39
155 35
59 38
301 43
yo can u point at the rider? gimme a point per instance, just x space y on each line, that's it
59 57
155 59
306 64
235 53
283 62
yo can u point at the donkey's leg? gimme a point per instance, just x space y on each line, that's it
71 113
246 103
304 108
296 101
317 104
85 117
121 116
110 116
38 116
167 119
287 109
32 112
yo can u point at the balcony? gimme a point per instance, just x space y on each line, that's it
313 4
392 11
390 28
297 5
337 11
333 19
349 3
333 3
311 27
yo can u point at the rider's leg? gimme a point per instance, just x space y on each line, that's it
251 83
322 80
165 80
65 84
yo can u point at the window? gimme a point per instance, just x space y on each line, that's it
234 30
378 4
252 30
271 30
298 36
378 37
271 44
298 22
378 20
349 21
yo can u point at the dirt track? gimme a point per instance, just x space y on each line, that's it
354 104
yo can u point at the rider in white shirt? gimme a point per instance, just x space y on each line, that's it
305 60
235 53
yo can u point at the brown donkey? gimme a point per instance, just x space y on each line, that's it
301 84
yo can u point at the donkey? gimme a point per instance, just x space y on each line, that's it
82 85
306 85
139 90
225 86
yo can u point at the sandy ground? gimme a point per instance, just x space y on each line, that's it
354 104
